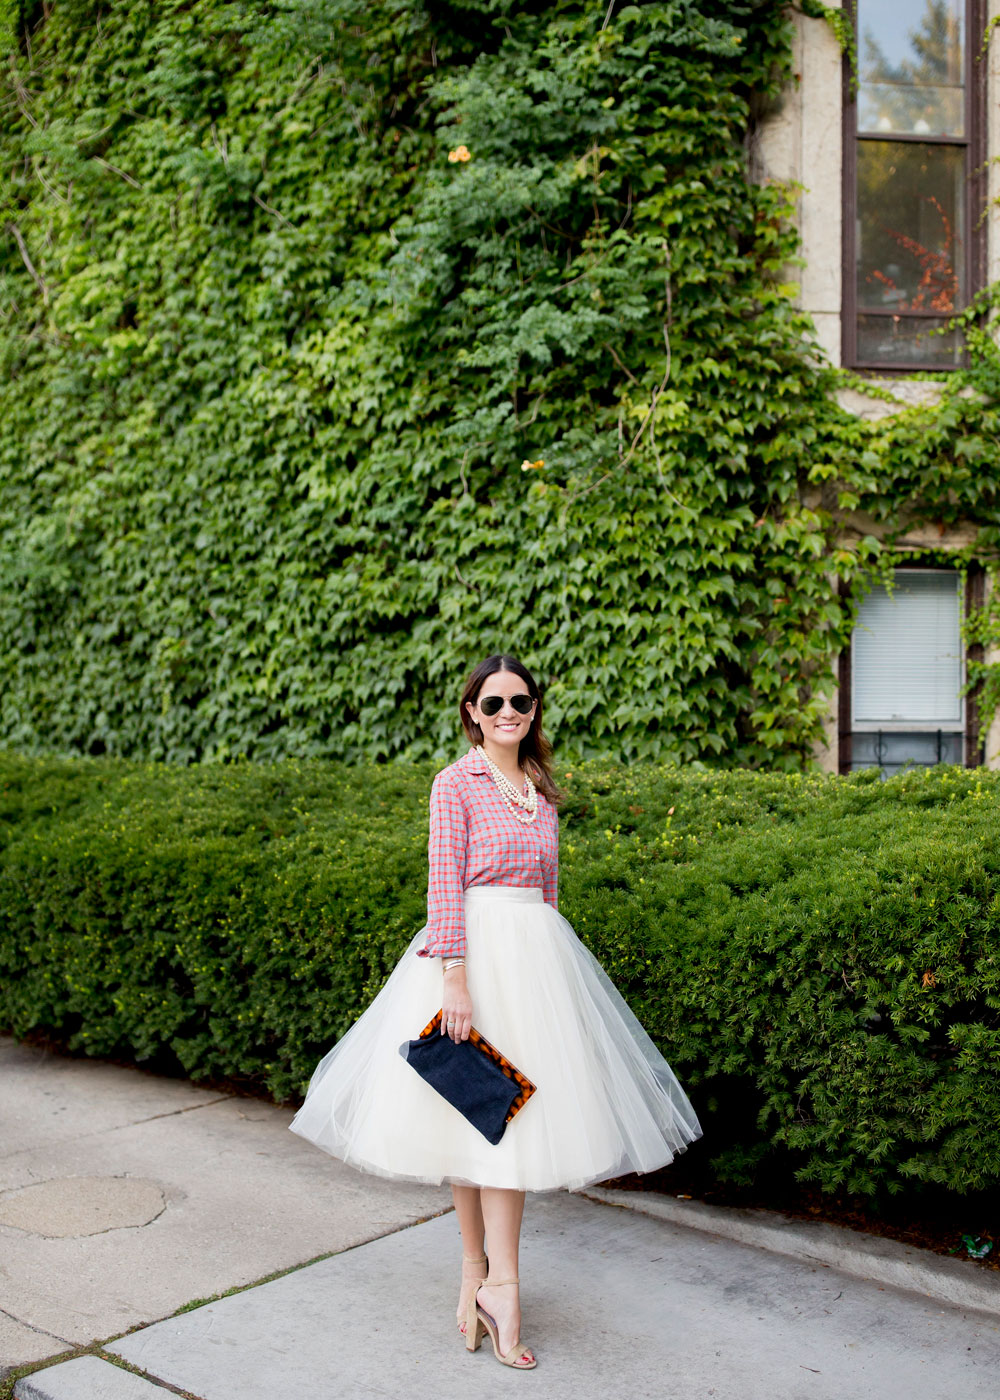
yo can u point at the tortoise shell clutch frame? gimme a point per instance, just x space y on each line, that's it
524 1084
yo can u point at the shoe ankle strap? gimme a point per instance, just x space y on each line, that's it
499 1282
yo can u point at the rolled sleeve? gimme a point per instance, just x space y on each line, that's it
447 849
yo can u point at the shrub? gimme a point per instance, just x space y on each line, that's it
817 956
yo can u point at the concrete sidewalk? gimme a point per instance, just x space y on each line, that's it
203 1192
125 1195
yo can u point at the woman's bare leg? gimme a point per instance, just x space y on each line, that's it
502 1212
470 1221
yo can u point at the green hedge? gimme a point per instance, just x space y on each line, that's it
818 957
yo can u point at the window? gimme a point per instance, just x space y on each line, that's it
902 679
914 191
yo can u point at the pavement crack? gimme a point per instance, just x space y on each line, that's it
42 1331
88 1234
173 1112
120 1127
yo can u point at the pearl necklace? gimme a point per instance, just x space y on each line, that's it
520 805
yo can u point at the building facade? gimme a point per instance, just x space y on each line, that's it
894 152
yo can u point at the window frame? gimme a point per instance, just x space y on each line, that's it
972 739
975 268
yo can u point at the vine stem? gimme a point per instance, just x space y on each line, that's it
26 259
648 420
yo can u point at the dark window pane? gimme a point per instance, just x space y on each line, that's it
893 752
911 66
910 230
906 340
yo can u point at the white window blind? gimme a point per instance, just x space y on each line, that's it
906 654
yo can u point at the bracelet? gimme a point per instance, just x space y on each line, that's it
449 963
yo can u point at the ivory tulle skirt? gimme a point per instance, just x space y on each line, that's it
607 1102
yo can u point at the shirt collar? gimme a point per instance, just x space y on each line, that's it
472 762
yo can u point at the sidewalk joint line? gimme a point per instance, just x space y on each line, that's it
137 1370
196 1303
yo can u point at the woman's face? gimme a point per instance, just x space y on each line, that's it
508 726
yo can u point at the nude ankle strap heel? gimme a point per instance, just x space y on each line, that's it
480 1321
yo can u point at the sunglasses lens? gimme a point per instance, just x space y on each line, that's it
493 704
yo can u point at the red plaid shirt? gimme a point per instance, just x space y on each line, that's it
475 840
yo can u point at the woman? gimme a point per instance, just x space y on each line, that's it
496 953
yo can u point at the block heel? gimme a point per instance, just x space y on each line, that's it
480 1321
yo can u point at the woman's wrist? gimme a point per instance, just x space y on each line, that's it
452 964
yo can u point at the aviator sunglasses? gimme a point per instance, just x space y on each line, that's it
493 704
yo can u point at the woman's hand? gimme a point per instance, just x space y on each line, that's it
456 1005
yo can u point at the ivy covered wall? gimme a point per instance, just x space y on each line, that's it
342 344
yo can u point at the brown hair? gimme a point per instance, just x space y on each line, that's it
534 752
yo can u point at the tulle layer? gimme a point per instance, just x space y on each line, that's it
607 1102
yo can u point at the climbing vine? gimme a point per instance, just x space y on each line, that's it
343 344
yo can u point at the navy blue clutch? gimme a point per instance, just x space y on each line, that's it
472 1075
